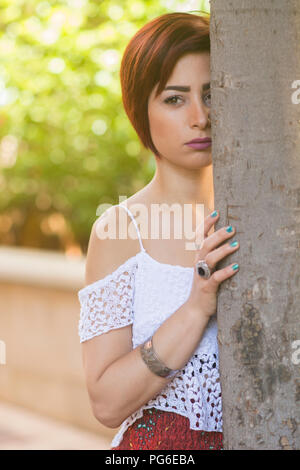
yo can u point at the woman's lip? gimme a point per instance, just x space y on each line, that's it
199 145
199 141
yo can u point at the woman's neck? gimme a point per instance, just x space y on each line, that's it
184 187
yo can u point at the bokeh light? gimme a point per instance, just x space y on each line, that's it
66 143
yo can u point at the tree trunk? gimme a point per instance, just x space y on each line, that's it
255 65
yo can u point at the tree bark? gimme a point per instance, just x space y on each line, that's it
255 61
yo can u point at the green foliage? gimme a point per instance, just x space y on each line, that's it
66 143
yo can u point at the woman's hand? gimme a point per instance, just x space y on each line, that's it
203 296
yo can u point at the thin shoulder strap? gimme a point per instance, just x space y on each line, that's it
133 220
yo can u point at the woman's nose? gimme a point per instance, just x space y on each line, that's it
198 115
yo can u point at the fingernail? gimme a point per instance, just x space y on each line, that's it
229 229
214 214
233 244
235 267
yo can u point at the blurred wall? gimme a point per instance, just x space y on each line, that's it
39 314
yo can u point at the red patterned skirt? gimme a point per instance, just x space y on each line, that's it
165 430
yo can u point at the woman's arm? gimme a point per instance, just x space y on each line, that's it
127 383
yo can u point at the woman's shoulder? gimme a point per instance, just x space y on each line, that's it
107 251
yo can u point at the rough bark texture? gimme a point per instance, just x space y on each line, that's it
255 58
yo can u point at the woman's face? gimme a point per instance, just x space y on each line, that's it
177 117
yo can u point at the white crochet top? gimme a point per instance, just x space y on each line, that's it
144 292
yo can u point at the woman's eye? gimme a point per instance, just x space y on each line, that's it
173 99
169 100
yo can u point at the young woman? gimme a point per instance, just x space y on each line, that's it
148 323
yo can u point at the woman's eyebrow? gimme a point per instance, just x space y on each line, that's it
205 86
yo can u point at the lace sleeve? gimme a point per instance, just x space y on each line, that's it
107 304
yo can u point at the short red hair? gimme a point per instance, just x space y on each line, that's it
150 57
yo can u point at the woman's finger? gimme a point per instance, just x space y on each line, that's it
211 243
213 258
203 228
211 285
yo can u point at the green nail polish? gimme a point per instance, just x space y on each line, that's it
214 214
233 244
235 267
229 229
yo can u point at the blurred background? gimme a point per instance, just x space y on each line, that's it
66 146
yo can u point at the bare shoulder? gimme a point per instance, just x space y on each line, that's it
106 249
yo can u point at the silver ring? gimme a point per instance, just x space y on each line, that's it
203 269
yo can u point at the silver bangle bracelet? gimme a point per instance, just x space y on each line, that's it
153 362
